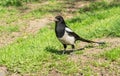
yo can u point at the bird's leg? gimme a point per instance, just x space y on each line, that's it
65 46
73 47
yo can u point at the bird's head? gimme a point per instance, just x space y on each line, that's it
59 19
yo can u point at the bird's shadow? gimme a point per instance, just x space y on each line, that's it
53 50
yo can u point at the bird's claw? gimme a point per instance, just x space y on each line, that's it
63 52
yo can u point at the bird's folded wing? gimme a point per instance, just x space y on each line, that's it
71 33
68 29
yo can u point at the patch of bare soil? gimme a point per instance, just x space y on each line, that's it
3 71
89 58
7 38
35 25
33 6
54 73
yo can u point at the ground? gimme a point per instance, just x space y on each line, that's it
87 58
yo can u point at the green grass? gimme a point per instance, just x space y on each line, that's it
11 28
97 24
42 52
112 55
16 3
25 51
9 20
87 71
8 15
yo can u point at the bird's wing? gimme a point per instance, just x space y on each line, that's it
77 37
71 33
68 29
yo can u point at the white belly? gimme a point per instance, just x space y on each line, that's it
66 39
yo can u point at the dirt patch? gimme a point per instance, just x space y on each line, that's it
35 25
7 38
54 73
30 7
3 71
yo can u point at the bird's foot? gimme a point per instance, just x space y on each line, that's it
63 52
72 52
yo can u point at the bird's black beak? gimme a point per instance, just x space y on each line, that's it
56 20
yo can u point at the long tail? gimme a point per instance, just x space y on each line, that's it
89 41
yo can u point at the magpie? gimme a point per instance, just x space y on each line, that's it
66 36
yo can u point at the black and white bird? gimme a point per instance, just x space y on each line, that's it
65 35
